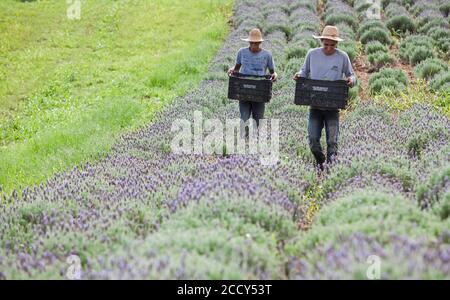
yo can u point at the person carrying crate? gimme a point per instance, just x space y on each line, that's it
326 63
253 60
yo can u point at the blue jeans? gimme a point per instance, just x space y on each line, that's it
317 120
255 109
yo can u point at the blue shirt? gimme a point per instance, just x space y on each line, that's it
254 63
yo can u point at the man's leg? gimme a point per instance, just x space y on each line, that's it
332 131
315 126
258 109
245 110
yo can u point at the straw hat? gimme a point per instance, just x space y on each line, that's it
255 36
329 33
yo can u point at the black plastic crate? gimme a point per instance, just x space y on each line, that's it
321 93
250 88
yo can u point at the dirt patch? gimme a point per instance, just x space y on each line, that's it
400 64
320 9
362 69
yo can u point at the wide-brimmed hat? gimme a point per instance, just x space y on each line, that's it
329 33
254 36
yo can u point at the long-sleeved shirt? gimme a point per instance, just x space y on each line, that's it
327 67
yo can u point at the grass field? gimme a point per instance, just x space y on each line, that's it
68 87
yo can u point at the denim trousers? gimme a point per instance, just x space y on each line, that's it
317 120
253 109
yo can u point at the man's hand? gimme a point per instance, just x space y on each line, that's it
274 76
296 76
231 71
349 82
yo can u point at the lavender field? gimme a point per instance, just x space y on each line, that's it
144 212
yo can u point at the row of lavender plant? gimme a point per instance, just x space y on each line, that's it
376 37
425 33
415 49
427 50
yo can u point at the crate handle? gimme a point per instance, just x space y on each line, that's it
312 81
246 75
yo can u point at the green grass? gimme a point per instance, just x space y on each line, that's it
417 92
69 87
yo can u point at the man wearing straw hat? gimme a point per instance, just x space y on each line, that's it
326 63
253 60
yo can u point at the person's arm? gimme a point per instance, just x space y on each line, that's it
305 70
238 64
271 67
234 69
348 71
274 74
